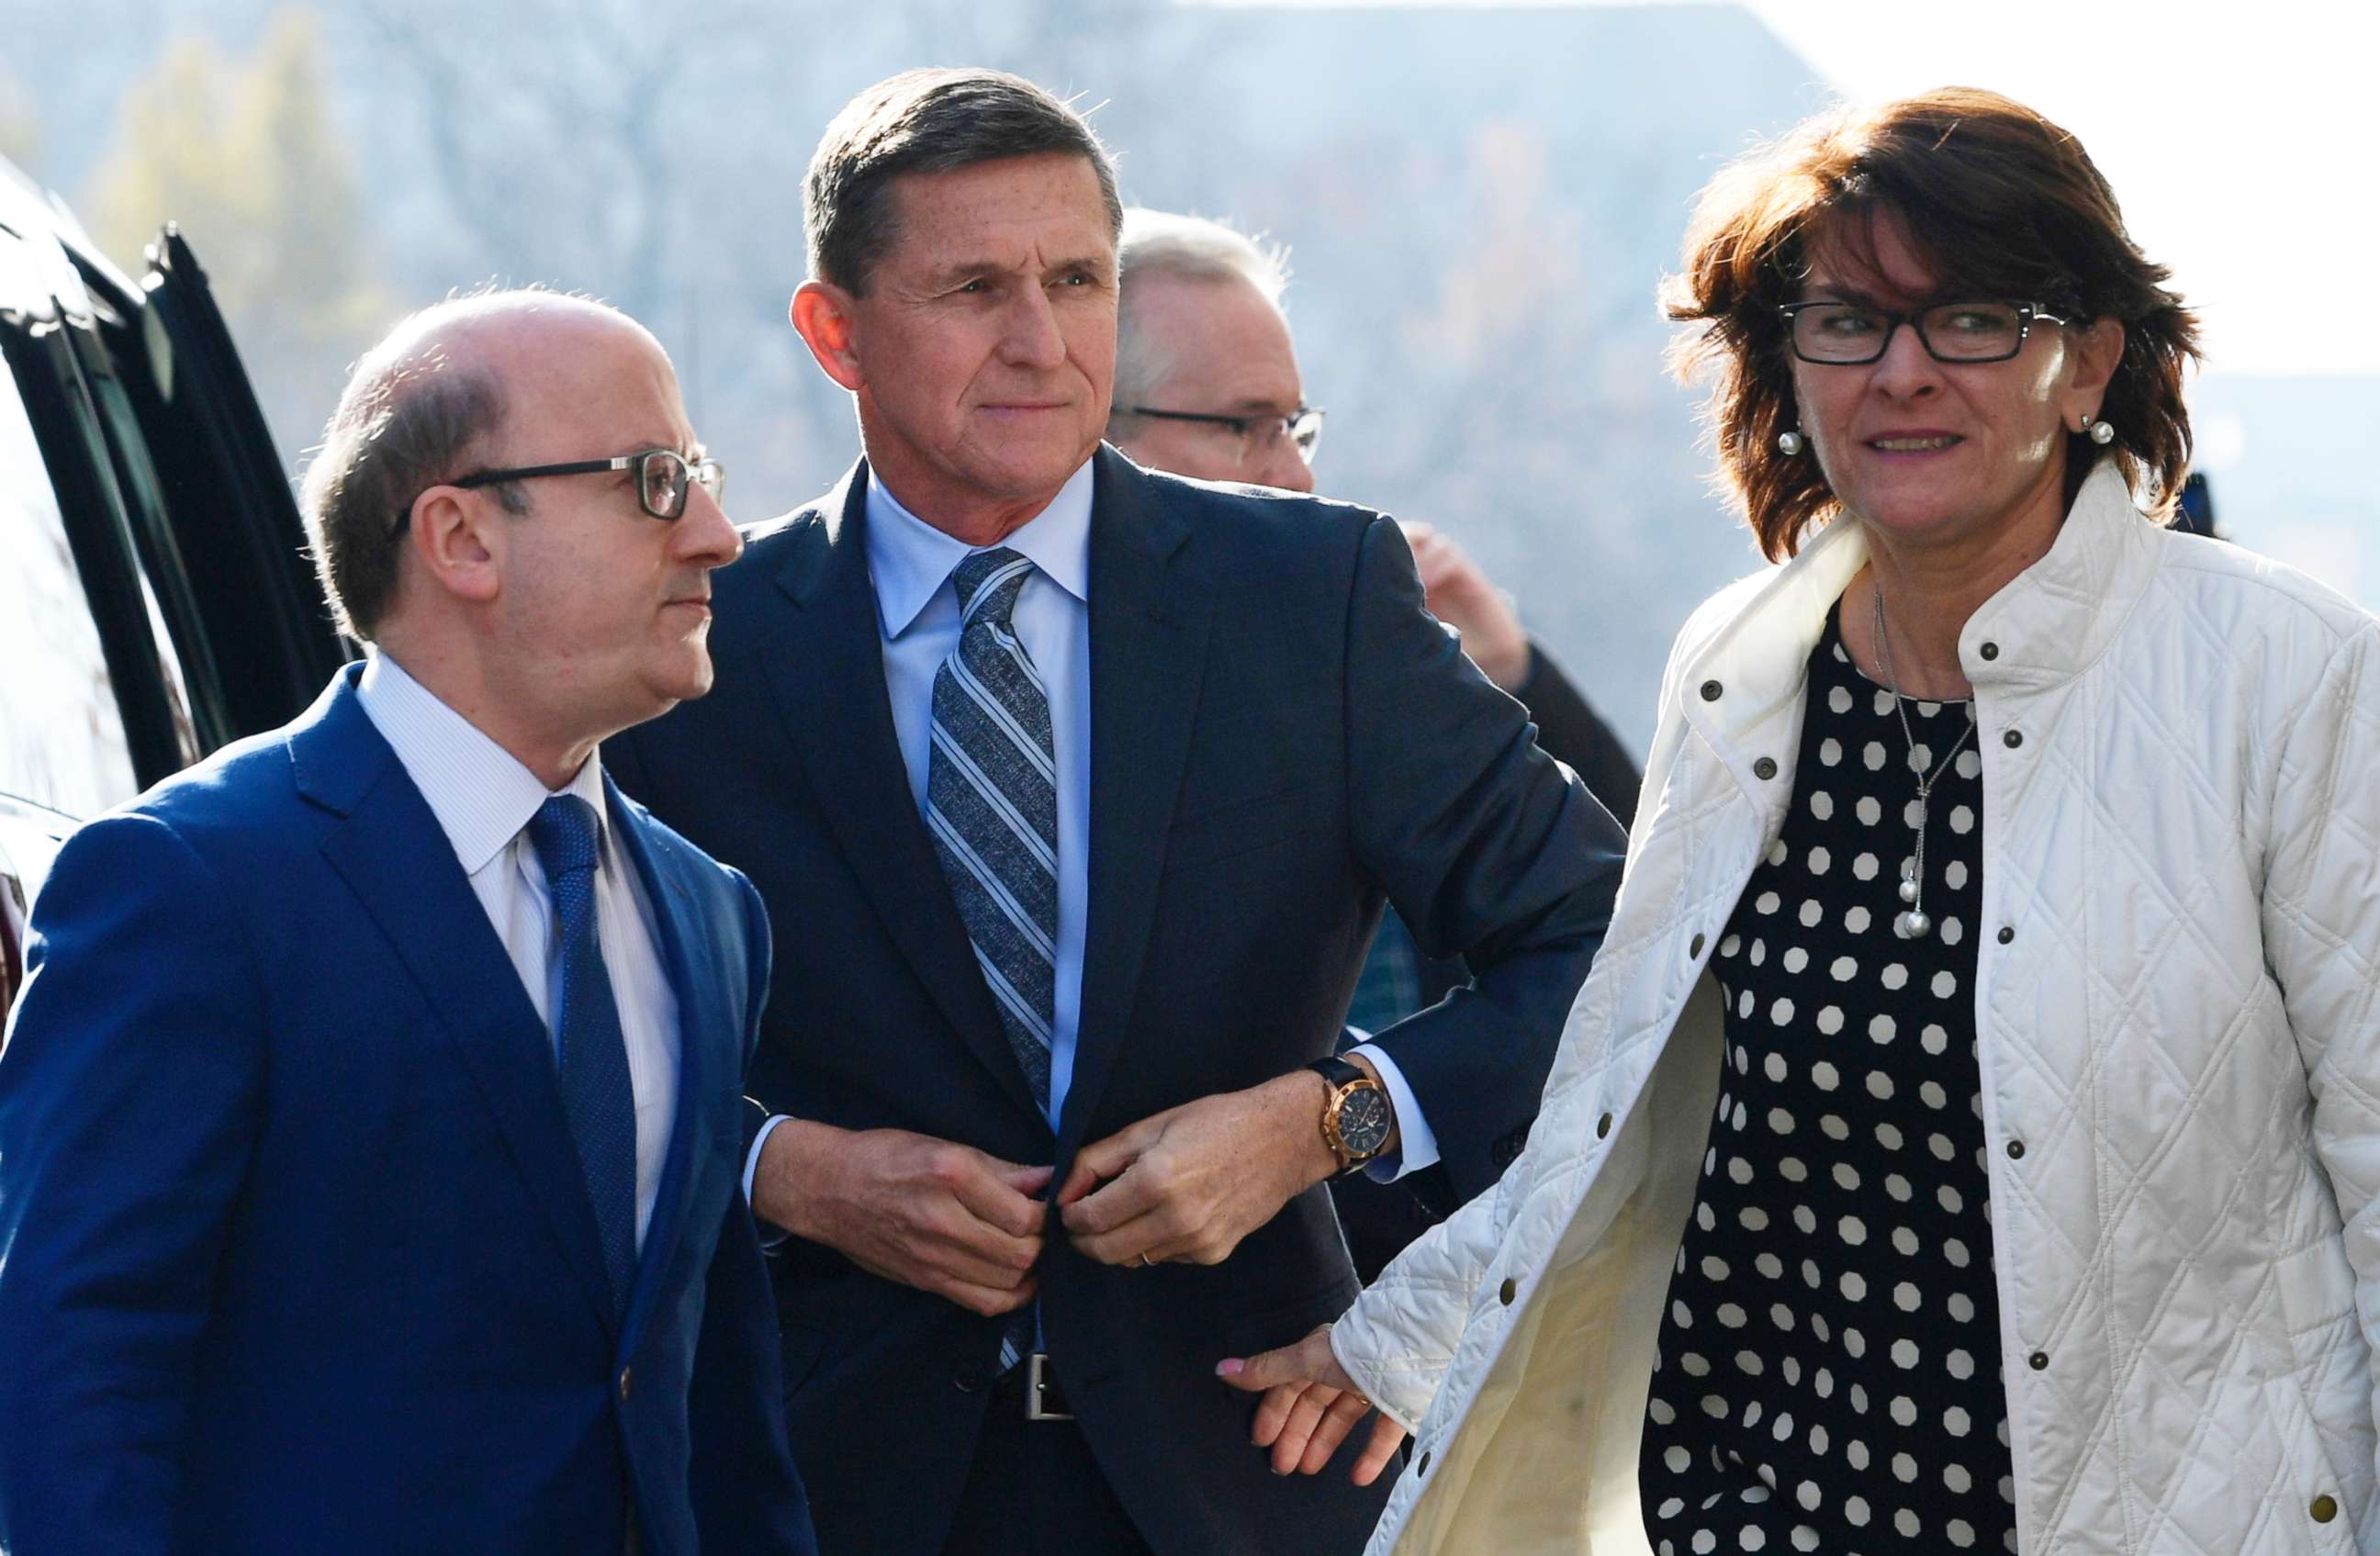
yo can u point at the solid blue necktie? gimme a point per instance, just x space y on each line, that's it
596 1097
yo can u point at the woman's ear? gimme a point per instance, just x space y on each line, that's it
2099 350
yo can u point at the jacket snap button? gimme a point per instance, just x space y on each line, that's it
626 1373
2016 1148
1765 767
2325 1508
1990 650
1603 1126
2007 934
1423 1467
2013 739
1710 691
2038 1361
1506 1292
1694 947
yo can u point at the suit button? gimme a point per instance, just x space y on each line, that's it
2016 1149
1989 650
1506 1292
626 1373
1603 1126
1423 1467
1710 691
2007 934
1765 768
2038 1361
2013 739
1694 947
971 1377
2325 1508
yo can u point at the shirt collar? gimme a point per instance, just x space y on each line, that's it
909 559
479 792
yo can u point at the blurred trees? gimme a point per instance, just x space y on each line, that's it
247 155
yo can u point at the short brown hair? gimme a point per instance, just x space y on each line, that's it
403 425
1998 201
927 121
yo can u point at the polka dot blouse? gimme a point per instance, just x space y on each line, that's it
1828 1370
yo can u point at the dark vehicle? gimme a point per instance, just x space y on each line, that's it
155 601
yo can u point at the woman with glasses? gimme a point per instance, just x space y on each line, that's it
1968 1137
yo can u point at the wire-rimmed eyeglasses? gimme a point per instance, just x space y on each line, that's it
1258 433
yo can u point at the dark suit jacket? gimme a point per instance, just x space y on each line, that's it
1381 1219
1280 735
296 1254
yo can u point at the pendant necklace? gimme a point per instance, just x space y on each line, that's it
1912 923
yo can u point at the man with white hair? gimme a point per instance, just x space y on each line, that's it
370 1122
1207 385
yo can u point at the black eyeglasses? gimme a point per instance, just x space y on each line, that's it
1258 434
1840 334
664 477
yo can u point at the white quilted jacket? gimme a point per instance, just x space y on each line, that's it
2180 1053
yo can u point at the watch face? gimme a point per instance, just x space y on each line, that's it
1363 1121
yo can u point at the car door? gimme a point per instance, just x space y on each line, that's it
155 602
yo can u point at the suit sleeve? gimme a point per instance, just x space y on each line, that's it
1489 850
1573 733
748 1497
130 1095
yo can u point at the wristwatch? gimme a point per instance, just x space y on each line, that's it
1356 1120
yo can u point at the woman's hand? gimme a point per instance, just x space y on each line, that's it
1309 1406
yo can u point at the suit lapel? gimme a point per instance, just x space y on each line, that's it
709 1035
825 666
394 856
1149 653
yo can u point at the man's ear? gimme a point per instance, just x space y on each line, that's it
824 317
457 538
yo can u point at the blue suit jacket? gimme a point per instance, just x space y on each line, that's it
294 1251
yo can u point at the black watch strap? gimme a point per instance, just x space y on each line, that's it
1338 1071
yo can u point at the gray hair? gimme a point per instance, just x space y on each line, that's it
1161 243
927 121
408 420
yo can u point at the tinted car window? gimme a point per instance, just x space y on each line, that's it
62 739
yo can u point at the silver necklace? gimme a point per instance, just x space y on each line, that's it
1912 923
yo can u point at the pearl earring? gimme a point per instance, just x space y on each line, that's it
1788 442
2100 432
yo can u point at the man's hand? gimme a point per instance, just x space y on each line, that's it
1309 1406
1461 596
928 1213
1190 1182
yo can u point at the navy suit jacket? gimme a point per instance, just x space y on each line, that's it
295 1255
1280 737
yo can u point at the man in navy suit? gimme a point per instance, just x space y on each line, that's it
370 1124
1074 792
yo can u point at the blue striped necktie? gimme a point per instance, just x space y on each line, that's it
992 805
596 1097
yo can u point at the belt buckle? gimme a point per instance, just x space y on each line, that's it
1044 1400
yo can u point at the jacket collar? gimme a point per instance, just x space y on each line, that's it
2045 625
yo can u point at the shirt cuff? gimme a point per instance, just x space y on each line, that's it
771 1232
1417 1147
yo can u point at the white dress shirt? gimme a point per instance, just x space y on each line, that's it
483 798
909 564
